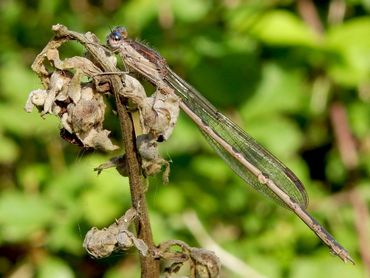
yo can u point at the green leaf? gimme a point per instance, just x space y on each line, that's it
190 10
359 116
13 118
280 90
147 9
279 27
351 42
105 199
236 197
131 270
335 169
185 139
9 151
281 135
65 233
170 199
211 167
16 80
21 215
265 264
31 176
162 230
54 267
323 266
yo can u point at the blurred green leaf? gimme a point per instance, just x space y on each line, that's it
9 151
212 168
359 117
17 121
281 135
335 169
22 215
240 18
16 81
128 13
324 266
66 234
13 11
236 198
162 231
170 200
32 176
229 81
49 7
352 65
280 27
184 139
280 90
54 267
105 198
266 265
130 270
190 10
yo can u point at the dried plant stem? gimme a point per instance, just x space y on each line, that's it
149 266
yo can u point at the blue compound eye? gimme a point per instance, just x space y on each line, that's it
119 33
116 36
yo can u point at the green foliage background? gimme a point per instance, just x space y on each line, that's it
257 61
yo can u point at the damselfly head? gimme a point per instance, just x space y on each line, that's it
116 36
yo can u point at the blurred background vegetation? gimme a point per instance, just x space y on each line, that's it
294 74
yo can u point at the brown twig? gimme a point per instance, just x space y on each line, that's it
308 11
149 266
343 136
337 11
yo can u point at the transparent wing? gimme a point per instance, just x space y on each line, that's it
241 143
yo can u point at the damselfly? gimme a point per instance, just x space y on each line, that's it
255 165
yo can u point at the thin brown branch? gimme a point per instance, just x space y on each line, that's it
149 266
343 136
308 11
337 11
